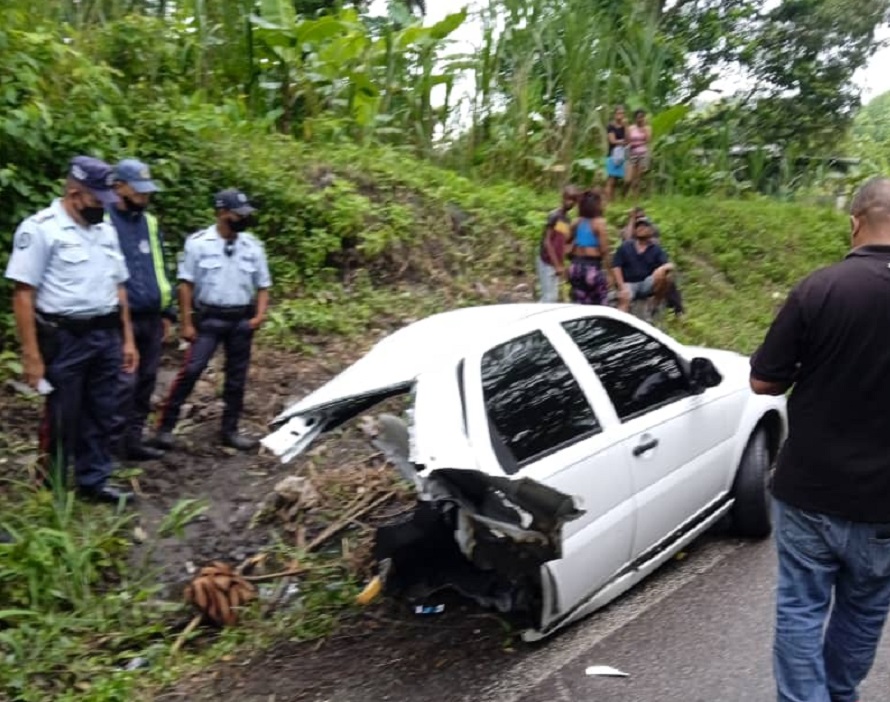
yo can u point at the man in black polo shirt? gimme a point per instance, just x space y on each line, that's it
641 268
831 342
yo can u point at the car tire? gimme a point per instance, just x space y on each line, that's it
751 512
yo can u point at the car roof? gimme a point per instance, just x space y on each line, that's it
398 358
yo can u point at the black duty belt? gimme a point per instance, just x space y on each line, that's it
236 312
79 325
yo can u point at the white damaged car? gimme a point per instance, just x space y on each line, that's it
561 453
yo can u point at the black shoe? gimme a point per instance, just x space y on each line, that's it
237 441
163 440
137 451
107 493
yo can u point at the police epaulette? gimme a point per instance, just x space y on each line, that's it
43 216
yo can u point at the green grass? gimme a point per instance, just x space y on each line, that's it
738 259
74 614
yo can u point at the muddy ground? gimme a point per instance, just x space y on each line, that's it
378 654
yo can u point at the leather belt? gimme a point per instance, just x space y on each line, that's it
79 325
234 312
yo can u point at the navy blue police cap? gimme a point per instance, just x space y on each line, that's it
96 176
234 200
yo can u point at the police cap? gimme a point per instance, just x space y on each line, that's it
234 200
96 176
136 175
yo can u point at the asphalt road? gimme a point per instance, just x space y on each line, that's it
699 631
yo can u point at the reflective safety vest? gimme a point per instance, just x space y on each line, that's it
157 259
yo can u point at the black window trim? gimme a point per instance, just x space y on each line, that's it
462 392
559 447
653 408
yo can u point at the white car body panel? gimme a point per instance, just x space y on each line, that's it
638 510
623 582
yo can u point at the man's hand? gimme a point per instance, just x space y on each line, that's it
33 368
165 333
624 292
188 331
766 387
255 323
131 357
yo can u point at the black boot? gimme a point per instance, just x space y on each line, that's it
108 494
163 440
236 441
138 451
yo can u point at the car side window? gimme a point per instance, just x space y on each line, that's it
533 402
638 372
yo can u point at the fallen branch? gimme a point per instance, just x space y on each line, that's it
192 625
273 576
362 508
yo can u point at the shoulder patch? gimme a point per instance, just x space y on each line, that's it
23 239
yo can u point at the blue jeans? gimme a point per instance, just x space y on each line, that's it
820 556
549 281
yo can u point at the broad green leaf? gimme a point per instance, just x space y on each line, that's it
318 30
664 122
448 24
278 12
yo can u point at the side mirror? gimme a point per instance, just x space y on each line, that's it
703 374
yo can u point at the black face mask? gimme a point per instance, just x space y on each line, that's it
239 225
92 215
133 207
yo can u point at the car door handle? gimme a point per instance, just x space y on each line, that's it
641 448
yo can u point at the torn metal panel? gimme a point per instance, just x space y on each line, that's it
297 432
484 537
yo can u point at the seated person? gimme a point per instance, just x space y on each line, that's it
642 270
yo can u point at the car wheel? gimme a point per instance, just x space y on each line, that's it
751 511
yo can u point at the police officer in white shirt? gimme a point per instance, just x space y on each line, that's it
223 297
71 311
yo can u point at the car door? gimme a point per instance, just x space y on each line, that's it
529 415
673 441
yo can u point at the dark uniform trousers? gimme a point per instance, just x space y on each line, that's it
135 389
236 336
83 365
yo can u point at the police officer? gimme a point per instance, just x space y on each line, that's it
150 297
223 296
70 307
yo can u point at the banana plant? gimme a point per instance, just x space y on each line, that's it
332 68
